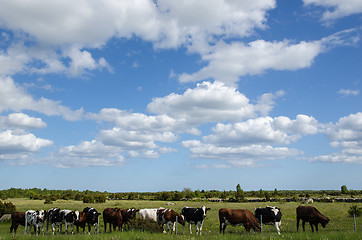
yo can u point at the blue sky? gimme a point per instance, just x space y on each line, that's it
163 95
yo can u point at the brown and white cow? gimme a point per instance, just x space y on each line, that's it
81 221
170 218
312 215
17 218
113 216
238 217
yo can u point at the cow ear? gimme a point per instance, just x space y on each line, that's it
208 209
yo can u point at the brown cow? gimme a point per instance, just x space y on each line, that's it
127 215
237 217
82 221
113 216
311 215
168 217
16 219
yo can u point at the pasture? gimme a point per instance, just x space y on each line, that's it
340 227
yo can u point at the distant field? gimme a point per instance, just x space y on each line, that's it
340 227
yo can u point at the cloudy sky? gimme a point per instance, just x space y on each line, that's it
160 95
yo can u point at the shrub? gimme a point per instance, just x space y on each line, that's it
6 208
88 199
48 201
354 210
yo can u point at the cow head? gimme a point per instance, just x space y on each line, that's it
204 210
131 213
41 215
181 219
324 222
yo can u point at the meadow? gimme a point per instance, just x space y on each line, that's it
340 227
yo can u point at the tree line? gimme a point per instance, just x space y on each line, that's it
237 195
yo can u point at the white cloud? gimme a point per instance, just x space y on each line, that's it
238 155
20 120
14 98
88 154
20 142
208 102
348 92
347 135
336 9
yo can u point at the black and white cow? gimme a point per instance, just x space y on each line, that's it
68 218
53 218
194 216
270 216
92 218
36 219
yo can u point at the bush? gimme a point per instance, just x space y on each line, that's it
88 199
354 210
48 201
6 208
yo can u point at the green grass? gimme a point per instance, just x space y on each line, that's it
340 226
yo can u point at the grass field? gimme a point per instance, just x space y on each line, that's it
340 227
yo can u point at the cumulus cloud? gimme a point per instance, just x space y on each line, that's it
337 9
89 154
347 135
14 98
208 102
20 142
20 121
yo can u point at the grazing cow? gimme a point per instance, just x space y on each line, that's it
238 217
194 216
17 218
36 219
149 214
92 218
53 218
81 221
127 215
168 217
312 215
113 216
69 217
270 216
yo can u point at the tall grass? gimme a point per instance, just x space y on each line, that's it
340 227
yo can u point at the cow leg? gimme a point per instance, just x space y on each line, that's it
303 225
276 225
190 228
316 227
89 228
311 226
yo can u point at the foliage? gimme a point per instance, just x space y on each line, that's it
344 189
6 207
354 210
239 195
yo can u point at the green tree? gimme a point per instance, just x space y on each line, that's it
344 189
239 194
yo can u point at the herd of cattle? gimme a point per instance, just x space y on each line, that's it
117 217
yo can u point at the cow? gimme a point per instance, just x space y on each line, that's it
269 215
194 216
36 219
81 221
92 218
127 215
53 218
238 217
149 214
113 216
69 217
170 218
312 215
17 218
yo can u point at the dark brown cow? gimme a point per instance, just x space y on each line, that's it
127 215
168 217
113 216
17 218
237 217
311 215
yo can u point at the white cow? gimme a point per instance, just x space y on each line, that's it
149 214
36 219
